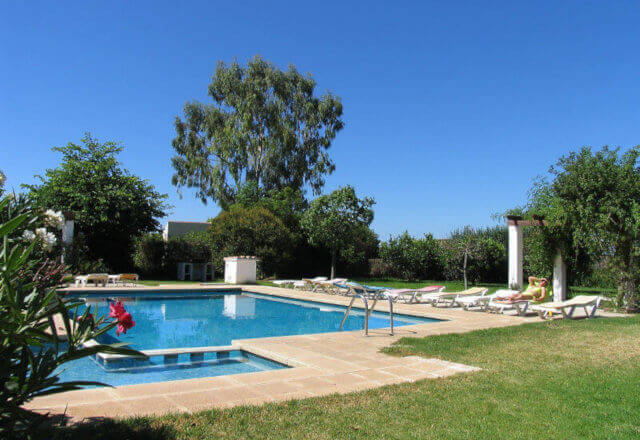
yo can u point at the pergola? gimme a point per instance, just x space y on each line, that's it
515 225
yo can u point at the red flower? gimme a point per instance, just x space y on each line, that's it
115 310
125 322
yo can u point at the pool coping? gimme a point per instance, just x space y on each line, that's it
322 363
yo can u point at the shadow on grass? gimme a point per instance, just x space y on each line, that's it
106 429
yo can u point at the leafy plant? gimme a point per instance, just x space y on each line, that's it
149 253
111 205
333 219
412 258
31 349
253 231
476 255
264 126
592 207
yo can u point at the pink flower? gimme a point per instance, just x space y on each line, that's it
125 322
115 310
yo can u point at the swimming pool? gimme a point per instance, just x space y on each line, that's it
193 319
162 368
183 319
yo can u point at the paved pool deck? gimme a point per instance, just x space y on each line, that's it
322 364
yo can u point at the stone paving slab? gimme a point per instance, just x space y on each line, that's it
322 364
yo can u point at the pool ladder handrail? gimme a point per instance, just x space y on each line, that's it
368 310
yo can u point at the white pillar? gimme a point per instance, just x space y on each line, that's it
559 278
516 255
67 232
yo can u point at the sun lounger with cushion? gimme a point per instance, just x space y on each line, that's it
481 301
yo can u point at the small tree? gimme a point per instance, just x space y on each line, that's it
475 254
3 179
264 126
332 220
412 258
111 206
593 204
250 231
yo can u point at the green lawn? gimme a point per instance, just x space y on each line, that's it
560 380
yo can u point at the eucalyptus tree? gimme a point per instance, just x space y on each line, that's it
265 126
333 220
3 178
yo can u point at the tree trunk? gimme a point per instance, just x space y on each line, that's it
464 272
333 264
627 294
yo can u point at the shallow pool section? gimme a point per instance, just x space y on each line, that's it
196 319
129 371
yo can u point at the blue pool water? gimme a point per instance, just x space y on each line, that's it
200 319
159 369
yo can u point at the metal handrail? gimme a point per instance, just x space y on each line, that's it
368 310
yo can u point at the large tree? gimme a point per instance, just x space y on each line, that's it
592 204
111 206
333 220
264 126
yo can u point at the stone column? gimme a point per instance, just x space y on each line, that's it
516 252
559 278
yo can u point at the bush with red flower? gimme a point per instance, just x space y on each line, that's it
124 319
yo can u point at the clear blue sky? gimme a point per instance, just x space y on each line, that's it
451 108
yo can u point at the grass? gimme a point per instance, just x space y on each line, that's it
559 379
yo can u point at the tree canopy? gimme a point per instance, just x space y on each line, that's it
111 206
333 219
264 126
250 231
593 205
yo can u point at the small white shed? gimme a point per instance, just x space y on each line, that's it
240 270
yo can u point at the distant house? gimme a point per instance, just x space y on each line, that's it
176 229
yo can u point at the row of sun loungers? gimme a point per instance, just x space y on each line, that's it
105 280
475 298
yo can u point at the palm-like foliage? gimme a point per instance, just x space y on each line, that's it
31 350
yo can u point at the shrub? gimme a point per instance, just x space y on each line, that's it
149 254
30 349
251 231
412 258
378 268
193 247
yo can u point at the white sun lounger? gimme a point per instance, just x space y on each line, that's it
566 308
95 278
447 298
332 286
410 296
481 301
520 306
284 283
